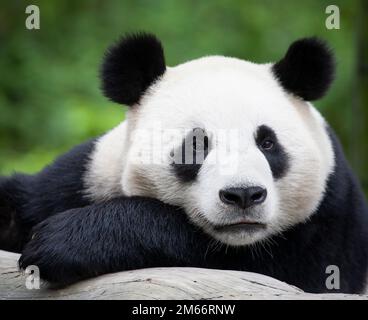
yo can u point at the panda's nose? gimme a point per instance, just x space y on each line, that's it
243 197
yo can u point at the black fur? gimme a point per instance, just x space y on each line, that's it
186 172
121 234
12 194
307 70
131 66
277 157
27 200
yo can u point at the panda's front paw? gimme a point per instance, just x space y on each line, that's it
52 249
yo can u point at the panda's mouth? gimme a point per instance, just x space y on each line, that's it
244 226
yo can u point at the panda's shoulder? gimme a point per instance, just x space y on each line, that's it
62 182
342 178
72 163
343 207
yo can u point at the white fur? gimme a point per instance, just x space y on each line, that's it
106 166
220 93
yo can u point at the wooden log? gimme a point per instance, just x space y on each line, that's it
158 283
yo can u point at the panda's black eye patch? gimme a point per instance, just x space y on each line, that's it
273 151
189 157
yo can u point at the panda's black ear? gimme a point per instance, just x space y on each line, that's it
130 66
307 70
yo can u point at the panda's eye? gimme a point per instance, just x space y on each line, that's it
267 144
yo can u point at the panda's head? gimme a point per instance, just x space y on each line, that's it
234 143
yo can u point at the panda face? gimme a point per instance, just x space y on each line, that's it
236 144
264 155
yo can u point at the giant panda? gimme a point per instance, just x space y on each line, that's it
281 201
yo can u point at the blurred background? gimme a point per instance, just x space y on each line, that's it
49 87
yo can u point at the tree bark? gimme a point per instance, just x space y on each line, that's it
158 283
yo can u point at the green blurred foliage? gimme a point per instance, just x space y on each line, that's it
49 87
